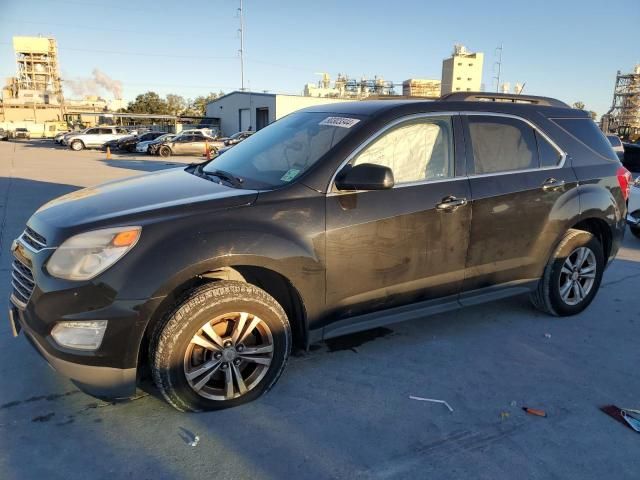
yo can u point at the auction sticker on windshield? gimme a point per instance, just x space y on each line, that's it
290 175
342 122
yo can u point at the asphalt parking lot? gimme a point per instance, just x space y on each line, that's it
343 409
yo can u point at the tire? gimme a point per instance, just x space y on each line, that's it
182 343
635 230
550 296
164 151
76 145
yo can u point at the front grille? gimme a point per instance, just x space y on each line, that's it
34 239
22 282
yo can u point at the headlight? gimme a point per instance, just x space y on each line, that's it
79 335
636 183
86 255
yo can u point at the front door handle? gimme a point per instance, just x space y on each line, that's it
451 203
552 185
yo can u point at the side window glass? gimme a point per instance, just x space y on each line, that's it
549 156
501 144
106 131
92 131
417 150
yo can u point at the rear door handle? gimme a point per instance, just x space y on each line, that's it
451 203
552 185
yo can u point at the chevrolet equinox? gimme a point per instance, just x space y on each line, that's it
335 219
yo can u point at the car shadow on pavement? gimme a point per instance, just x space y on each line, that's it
39 143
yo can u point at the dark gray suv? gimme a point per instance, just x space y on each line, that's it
334 219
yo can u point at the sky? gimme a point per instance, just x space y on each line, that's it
566 49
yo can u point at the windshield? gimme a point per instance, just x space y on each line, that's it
283 151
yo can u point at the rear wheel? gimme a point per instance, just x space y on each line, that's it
77 145
572 276
165 151
226 344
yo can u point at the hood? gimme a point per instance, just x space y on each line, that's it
168 192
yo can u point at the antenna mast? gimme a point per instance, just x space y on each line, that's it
499 64
241 30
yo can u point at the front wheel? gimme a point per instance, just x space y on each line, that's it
226 344
572 276
165 151
77 145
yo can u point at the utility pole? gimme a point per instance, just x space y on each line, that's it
241 30
499 64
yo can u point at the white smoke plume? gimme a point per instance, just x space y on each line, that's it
98 83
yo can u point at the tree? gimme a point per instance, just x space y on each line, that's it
175 104
593 114
578 105
149 102
200 103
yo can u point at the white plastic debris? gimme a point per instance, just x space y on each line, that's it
194 442
547 335
432 400
513 403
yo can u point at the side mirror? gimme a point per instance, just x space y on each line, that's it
366 176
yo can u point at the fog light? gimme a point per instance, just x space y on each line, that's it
79 335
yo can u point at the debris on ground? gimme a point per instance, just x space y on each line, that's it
194 442
547 335
535 411
432 400
504 415
513 403
189 437
627 416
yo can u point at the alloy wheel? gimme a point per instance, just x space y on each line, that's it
577 275
228 356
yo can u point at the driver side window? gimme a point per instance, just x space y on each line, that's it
415 151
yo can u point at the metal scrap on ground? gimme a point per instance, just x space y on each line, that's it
432 400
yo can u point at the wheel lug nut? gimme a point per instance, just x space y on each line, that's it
224 366
240 348
217 355
236 362
227 344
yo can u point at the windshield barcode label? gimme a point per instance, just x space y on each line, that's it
342 122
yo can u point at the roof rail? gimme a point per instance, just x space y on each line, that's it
502 97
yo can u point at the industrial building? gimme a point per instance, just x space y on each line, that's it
240 111
624 116
347 87
420 87
462 72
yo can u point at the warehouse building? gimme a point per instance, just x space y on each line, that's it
240 111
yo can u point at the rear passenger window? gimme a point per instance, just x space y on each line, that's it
415 151
501 144
549 156
586 130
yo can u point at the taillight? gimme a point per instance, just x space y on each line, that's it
625 180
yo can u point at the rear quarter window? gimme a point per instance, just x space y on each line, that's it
587 132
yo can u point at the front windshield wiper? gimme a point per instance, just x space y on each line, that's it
228 177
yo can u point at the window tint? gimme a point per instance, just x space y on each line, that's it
415 151
92 131
586 130
106 131
501 144
549 156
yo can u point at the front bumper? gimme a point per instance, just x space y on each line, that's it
99 381
108 372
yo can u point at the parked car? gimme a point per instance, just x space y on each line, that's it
616 143
631 156
59 137
128 143
237 138
22 133
4 135
319 225
94 137
185 144
633 217
143 147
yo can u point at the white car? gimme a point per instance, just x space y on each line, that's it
94 137
633 211
142 147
